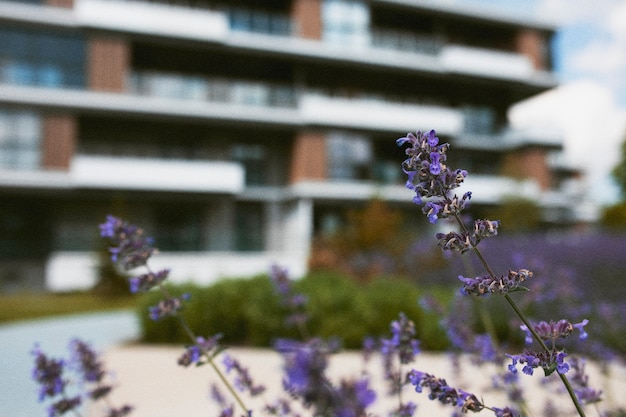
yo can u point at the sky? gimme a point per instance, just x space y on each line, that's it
589 106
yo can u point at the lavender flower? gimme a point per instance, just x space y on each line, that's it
441 391
130 248
428 175
243 380
404 410
580 380
147 281
193 354
486 284
403 346
549 361
402 341
294 302
48 373
554 330
168 307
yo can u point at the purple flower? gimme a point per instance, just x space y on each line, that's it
193 353
554 330
402 341
294 302
549 361
168 307
48 373
405 410
580 327
87 361
243 380
130 247
485 284
435 165
441 391
147 281
426 172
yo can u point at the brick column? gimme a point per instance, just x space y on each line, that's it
528 163
108 63
59 141
308 161
307 16
68 4
533 44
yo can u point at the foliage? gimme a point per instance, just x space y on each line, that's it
247 311
517 214
614 217
619 171
25 306
366 246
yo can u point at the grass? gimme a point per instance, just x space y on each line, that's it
16 307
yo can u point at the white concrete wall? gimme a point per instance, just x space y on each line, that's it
66 271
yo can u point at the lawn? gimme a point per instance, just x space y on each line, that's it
17 307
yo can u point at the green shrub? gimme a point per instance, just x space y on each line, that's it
247 312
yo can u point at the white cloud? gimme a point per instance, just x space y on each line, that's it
592 124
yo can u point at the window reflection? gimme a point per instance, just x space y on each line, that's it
20 135
41 58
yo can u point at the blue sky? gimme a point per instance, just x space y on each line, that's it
589 106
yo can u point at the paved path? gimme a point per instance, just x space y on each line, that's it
18 392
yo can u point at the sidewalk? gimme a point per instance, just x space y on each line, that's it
18 392
149 378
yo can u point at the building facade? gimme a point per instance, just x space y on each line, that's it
236 131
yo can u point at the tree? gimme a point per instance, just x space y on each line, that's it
619 171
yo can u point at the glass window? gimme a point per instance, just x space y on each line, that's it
41 58
178 229
20 136
349 156
253 157
346 22
250 227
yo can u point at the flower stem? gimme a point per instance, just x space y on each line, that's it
523 318
208 356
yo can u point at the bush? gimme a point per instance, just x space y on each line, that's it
247 312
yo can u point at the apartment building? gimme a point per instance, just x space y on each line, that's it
236 131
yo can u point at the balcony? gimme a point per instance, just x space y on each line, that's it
156 175
378 114
151 18
485 62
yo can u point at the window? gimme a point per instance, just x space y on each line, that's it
346 22
257 21
349 156
253 157
250 227
20 136
41 58
178 229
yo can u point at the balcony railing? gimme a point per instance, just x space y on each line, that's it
485 62
156 175
220 90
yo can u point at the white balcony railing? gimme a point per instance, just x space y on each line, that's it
152 18
156 175
378 114
485 62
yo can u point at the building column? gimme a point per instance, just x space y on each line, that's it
59 141
533 44
308 161
307 16
108 63
68 4
528 163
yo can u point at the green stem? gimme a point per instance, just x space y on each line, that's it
209 357
522 317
